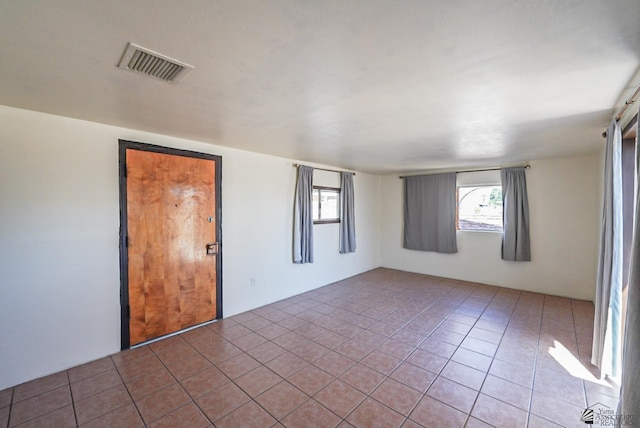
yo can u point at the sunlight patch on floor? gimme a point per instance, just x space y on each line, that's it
572 365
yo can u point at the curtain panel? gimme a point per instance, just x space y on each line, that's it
629 402
303 217
515 217
347 214
606 351
430 213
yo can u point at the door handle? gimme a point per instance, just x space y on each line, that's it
213 248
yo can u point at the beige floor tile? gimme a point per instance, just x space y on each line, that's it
257 381
40 386
371 413
90 369
362 378
453 394
310 379
39 405
95 384
160 403
250 414
339 397
511 393
60 418
189 366
463 375
281 399
433 413
397 396
334 363
185 416
150 383
126 416
498 413
102 403
311 414
220 402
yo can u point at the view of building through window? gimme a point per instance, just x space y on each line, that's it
325 205
480 208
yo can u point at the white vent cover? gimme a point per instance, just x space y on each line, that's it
145 61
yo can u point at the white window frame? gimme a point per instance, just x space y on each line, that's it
330 220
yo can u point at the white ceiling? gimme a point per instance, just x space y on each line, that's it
371 85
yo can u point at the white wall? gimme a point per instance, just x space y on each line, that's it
564 203
59 220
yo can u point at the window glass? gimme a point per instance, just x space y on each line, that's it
329 204
480 208
315 204
326 202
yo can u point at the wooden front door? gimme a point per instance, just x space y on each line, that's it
170 240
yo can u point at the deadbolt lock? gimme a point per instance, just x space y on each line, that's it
213 248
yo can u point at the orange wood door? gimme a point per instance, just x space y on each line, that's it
171 217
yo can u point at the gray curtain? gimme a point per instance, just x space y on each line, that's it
515 216
303 217
629 403
347 217
430 213
606 330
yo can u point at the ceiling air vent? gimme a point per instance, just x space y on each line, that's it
145 61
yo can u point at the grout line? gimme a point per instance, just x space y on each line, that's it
128 392
73 401
13 392
32 418
535 365
575 335
486 374
193 400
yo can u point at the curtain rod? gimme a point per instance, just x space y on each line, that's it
324 169
624 108
467 170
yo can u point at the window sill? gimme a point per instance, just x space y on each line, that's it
326 221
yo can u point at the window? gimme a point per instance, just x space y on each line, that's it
326 202
479 208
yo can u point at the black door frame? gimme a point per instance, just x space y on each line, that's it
123 146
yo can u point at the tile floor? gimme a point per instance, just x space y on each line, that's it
382 349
